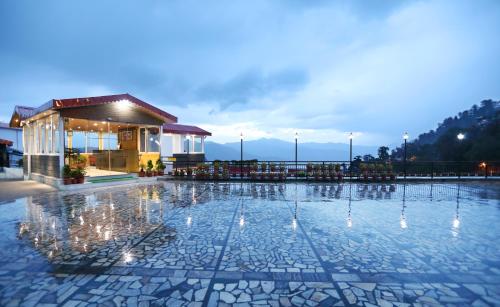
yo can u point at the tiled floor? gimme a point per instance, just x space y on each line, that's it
198 244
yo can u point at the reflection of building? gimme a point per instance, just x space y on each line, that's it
110 134
85 225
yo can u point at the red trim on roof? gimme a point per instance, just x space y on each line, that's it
5 142
184 129
92 101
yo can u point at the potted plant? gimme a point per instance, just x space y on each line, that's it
149 168
317 171
216 170
282 171
78 175
225 171
80 161
339 173
309 168
142 173
324 172
263 170
66 172
160 167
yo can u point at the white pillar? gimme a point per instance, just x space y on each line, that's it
61 143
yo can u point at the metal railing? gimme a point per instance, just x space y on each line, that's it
336 170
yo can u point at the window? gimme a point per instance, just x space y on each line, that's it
149 140
197 144
110 141
92 141
153 140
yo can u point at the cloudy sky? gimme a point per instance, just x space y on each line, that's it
267 68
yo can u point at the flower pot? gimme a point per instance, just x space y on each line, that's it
149 174
161 173
80 180
66 180
142 174
74 180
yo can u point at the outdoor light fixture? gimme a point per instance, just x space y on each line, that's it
241 135
405 136
351 136
296 135
123 104
460 136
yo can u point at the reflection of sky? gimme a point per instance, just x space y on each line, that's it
56 225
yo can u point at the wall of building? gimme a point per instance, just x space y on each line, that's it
13 134
47 165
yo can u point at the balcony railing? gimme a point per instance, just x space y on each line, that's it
336 170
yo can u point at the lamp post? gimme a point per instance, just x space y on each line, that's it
188 158
350 155
296 164
405 137
460 137
241 155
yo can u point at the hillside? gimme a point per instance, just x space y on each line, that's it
479 124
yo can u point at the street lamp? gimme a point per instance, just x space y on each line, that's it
241 155
405 137
460 136
296 164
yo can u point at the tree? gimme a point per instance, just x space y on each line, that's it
383 153
368 158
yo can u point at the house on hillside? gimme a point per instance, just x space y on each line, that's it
108 135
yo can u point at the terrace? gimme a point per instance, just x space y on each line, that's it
207 243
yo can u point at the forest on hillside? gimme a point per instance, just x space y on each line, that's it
480 126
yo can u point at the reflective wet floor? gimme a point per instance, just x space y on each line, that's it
199 244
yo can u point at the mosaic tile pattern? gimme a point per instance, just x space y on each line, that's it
244 244
274 293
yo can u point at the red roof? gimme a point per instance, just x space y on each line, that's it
58 104
5 142
184 129
92 101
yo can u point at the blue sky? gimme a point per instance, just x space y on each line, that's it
267 68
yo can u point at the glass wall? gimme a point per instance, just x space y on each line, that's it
197 144
41 136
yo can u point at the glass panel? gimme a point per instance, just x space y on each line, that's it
110 141
142 139
79 141
197 144
48 130
92 141
41 143
55 131
153 140
187 145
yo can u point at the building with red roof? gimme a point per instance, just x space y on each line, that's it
105 134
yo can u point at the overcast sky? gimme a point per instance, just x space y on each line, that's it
267 68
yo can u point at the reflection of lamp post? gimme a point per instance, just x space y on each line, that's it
349 219
296 140
405 137
241 155
294 220
456 220
350 155
402 220
242 216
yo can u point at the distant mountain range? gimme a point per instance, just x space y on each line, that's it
278 150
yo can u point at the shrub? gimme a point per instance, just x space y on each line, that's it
149 166
66 171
